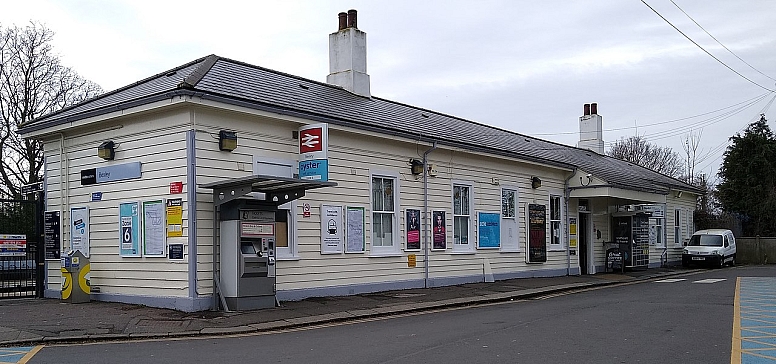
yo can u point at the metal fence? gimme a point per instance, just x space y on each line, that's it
21 249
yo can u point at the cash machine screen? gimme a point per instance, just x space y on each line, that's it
247 248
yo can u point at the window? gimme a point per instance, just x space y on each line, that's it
507 203
384 224
462 218
690 228
556 228
677 227
509 237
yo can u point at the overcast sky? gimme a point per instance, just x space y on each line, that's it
525 66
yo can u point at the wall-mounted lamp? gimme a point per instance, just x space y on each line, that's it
416 165
678 194
536 182
106 150
227 140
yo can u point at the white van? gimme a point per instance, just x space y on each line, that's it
713 246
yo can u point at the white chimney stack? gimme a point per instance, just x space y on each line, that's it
591 133
347 56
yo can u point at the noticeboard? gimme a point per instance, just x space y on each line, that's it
52 234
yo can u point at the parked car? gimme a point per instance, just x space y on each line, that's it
715 247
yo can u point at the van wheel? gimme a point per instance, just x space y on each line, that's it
721 262
733 261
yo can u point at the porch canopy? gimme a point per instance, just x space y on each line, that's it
278 190
619 196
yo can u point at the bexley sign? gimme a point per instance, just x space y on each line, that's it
314 152
111 173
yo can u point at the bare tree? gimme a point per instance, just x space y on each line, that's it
691 143
639 151
33 83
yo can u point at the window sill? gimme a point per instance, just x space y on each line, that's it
463 252
556 249
385 255
289 258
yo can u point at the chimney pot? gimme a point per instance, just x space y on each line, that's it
587 110
343 20
352 23
594 109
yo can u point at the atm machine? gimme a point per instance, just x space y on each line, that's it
247 259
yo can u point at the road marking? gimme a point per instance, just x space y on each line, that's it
18 355
754 321
710 280
671 280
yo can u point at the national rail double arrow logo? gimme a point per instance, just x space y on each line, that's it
310 141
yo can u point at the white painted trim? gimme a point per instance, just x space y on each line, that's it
395 248
469 247
562 246
516 219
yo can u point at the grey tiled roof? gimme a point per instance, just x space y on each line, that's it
236 82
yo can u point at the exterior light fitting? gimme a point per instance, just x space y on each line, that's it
416 165
227 140
536 182
106 150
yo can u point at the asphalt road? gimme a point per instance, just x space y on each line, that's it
687 321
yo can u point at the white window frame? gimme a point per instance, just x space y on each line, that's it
659 232
469 246
395 248
276 165
690 229
677 227
561 245
516 246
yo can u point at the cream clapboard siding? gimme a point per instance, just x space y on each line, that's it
601 220
686 203
157 141
353 155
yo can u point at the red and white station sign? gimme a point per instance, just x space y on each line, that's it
313 142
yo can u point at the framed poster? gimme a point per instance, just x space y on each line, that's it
354 235
488 230
331 229
174 211
412 225
129 229
154 239
537 233
440 235
79 229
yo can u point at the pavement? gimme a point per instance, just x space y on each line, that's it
35 321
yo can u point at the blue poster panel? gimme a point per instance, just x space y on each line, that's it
129 229
488 230
316 169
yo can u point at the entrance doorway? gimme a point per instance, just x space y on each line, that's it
584 234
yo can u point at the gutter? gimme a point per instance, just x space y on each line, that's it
567 193
427 227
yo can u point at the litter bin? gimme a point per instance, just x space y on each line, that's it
75 278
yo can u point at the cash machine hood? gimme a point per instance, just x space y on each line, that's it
278 190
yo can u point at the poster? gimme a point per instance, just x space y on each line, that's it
412 223
488 230
354 236
13 245
174 217
154 240
440 236
537 233
129 229
331 229
79 229
572 226
52 234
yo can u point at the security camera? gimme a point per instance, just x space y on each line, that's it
589 175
